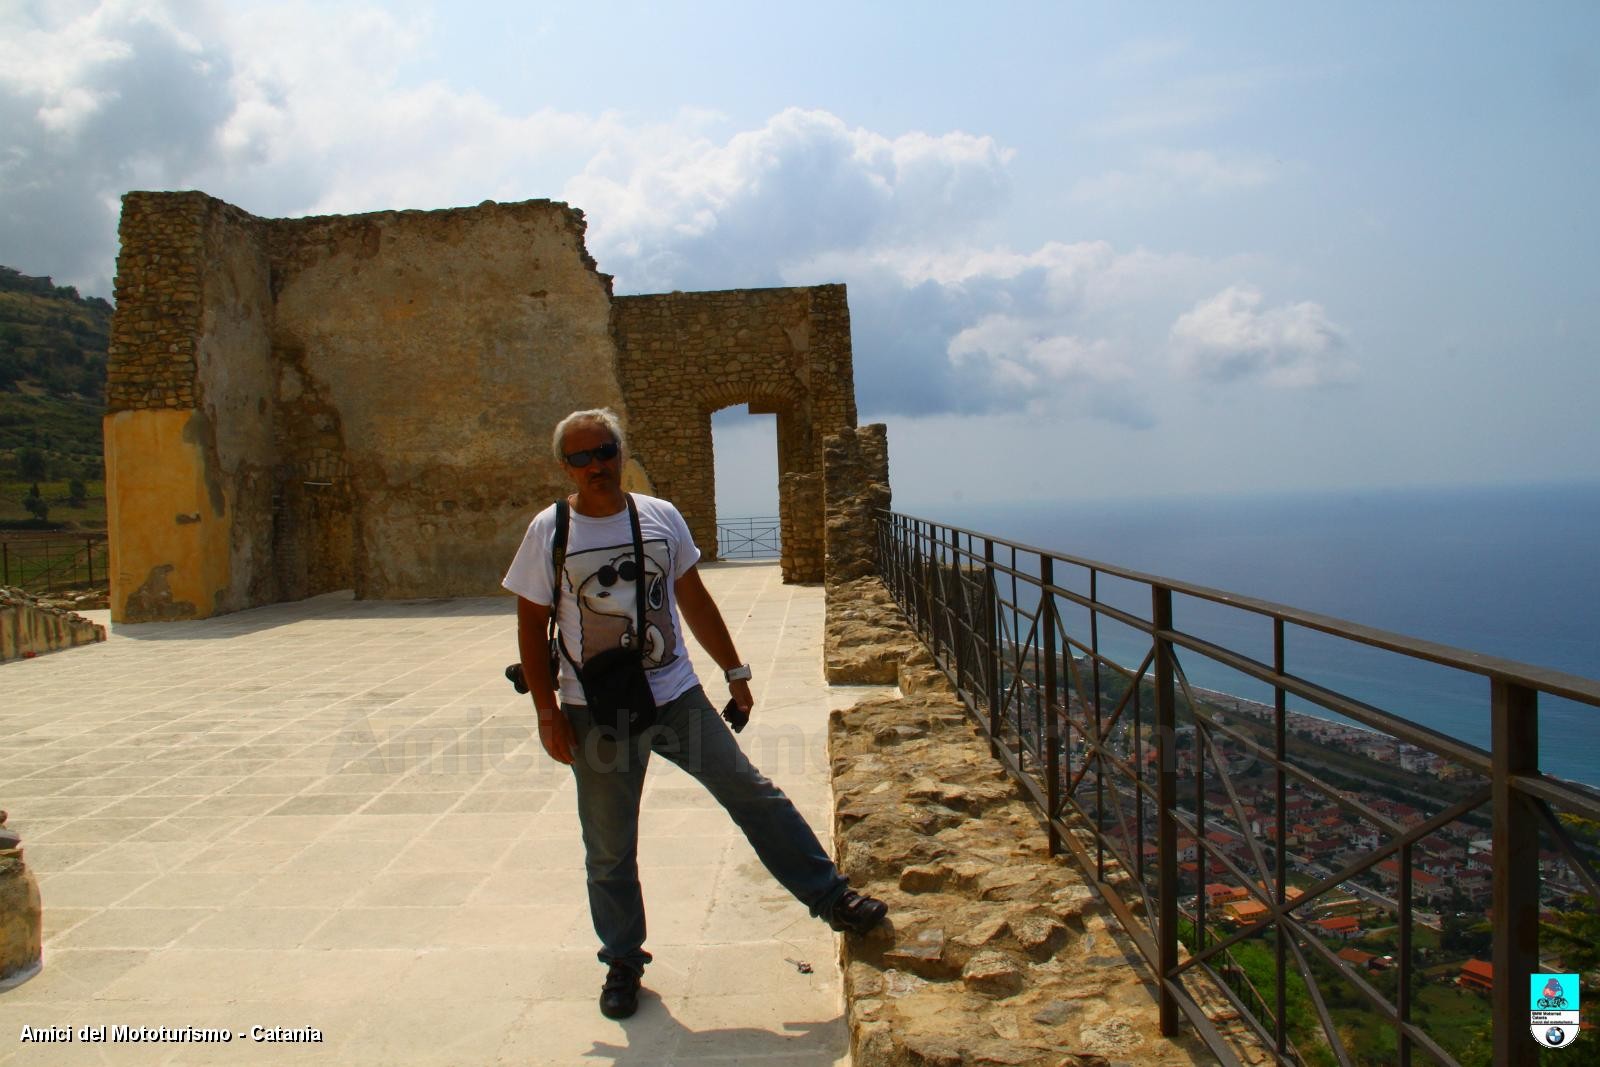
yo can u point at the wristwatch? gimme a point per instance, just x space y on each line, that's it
741 673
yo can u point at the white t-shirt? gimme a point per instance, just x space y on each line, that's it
596 611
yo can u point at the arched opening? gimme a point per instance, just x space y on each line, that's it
745 461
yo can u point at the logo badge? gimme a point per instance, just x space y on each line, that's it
1553 1009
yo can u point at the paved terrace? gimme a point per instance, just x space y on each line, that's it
335 814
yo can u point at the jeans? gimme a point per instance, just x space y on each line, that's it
610 776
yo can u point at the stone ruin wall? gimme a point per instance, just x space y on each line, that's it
855 491
786 352
296 406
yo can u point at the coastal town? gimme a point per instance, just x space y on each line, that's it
1369 789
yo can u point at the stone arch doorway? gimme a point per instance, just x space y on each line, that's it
783 352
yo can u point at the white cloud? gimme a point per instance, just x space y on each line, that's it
803 185
1225 338
1166 174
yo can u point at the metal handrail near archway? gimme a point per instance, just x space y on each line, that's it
753 537
1241 841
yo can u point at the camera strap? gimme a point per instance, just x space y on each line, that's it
558 559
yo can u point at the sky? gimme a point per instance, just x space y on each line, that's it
1092 250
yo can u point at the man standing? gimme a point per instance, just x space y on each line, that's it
597 610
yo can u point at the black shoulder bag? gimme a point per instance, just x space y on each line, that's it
614 682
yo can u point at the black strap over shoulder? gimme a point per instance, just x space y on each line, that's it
638 571
558 558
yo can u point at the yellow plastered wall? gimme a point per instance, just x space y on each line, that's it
169 544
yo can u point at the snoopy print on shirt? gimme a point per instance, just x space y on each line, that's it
602 583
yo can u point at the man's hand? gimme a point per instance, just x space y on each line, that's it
555 733
705 621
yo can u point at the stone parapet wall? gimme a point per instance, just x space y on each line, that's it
30 628
855 465
802 539
996 952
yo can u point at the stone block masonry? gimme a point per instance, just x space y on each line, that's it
996 951
297 406
786 352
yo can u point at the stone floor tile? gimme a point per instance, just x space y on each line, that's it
318 804
90 889
245 928
132 928
197 889
411 928
462 855
402 888
285 828
394 803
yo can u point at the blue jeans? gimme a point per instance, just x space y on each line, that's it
610 775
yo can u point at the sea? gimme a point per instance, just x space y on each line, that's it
1511 572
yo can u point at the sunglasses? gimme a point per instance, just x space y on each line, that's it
603 453
608 575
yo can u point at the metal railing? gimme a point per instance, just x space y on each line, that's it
1076 672
749 538
44 564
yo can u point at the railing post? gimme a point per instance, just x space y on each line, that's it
925 551
5 561
1052 724
991 615
1167 799
1514 737
88 553
1402 1000
959 622
1280 749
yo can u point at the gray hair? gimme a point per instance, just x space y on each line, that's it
602 417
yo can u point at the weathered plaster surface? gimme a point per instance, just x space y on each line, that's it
448 343
234 384
170 545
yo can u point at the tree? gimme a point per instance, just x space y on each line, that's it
36 505
76 491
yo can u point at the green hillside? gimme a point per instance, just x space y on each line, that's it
52 381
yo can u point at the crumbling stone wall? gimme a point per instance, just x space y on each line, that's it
151 356
302 405
855 491
29 627
804 553
683 356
